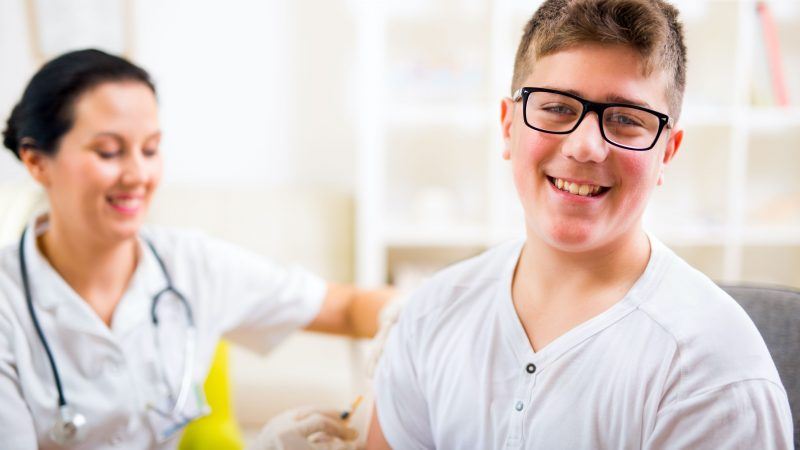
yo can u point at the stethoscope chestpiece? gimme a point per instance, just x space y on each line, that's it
70 427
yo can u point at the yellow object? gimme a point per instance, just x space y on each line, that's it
218 430
346 415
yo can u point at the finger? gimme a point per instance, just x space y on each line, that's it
341 445
332 427
319 437
334 444
308 411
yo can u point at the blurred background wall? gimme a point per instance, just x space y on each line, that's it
262 85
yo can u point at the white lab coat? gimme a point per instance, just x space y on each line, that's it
110 375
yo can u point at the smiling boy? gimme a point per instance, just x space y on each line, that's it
590 333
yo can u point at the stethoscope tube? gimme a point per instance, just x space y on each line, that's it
169 288
186 379
29 300
70 425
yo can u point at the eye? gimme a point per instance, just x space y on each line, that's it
558 108
108 154
624 119
150 152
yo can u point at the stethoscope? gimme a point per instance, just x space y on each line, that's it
70 425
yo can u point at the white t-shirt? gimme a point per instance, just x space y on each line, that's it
110 375
675 364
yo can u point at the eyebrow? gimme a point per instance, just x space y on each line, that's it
612 98
119 138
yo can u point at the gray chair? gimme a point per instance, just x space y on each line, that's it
776 313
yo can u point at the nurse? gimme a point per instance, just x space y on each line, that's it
107 328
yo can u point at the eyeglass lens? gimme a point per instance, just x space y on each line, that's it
622 125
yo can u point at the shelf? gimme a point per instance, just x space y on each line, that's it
433 235
773 118
757 117
432 114
731 198
699 235
707 115
771 236
692 235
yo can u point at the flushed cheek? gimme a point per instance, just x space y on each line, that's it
535 147
637 177
528 156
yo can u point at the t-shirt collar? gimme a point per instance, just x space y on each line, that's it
517 338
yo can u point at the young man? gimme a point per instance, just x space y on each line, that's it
591 333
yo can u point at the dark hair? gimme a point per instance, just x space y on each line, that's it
651 27
45 112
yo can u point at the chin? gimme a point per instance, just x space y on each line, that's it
569 237
123 231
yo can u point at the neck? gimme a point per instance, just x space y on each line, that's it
98 271
550 274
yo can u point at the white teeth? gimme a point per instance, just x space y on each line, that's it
577 189
125 203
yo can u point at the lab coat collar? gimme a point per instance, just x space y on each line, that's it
50 292
44 282
147 281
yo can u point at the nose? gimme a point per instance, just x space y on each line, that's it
585 143
134 170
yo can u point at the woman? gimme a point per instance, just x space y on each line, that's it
107 328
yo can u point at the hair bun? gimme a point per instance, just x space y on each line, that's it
10 137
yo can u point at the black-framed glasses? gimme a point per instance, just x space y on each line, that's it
631 127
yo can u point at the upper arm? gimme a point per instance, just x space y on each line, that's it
350 311
375 439
402 415
249 298
745 414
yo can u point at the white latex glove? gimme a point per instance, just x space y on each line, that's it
387 318
306 428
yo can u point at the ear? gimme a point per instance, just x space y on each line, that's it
36 163
673 144
506 120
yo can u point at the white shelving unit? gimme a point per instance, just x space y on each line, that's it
433 187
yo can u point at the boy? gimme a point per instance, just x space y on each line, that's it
590 333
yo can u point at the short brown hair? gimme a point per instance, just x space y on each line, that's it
650 27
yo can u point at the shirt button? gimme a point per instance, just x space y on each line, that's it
530 368
519 405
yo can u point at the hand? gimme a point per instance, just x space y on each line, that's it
387 318
306 428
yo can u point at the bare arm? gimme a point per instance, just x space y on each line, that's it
375 439
350 311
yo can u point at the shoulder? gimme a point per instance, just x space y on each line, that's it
10 275
459 286
13 309
191 246
9 259
716 341
174 240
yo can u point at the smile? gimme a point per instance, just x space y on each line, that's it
125 204
583 190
